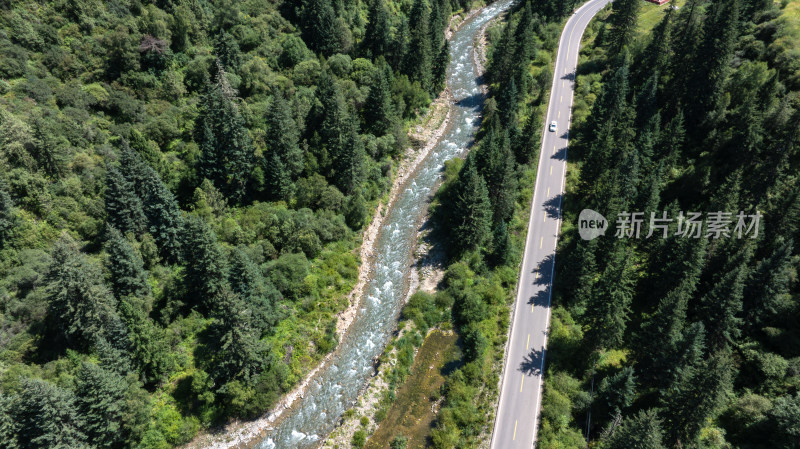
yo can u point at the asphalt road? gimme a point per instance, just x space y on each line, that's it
517 416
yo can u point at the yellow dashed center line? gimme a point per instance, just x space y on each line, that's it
515 431
548 191
528 343
521 384
551 169
541 242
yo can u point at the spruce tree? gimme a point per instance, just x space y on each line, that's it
45 416
6 215
238 353
7 425
164 217
128 276
471 214
204 276
609 312
100 395
228 52
502 247
320 28
379 112
767 290
282 136
419 60
377 37
124 210
79 303
258 293
334 122
616 393
150 351
641 431
349 159
227 150
440 64
623 20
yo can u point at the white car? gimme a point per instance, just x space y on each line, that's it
553 126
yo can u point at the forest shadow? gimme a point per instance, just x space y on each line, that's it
560 154
552 206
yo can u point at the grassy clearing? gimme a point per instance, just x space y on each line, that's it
412 412
651 14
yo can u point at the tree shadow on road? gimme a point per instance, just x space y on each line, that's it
532 363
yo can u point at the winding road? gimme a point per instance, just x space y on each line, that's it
517 416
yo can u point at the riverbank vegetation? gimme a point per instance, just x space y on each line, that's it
484 205
679 341
182 190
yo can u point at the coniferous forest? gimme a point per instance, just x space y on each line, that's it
681 342
182 189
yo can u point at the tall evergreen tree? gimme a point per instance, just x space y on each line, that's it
377 37
205 273
623 20
6 214
100 395
767 288
124 210
258 293
440 63
283 137
46 417
471 213
641 431
320 27
238 352
228 52
227 150
128 276
79 302
379 112
609 314
419 59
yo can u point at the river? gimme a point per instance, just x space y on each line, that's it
336 387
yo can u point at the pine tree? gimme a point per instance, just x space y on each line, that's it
440 63
616 393
124 209
7 425
334 122
79 302
400 45
7 219
721 307
348 160
419 59
204 276
696 393
356 211
228 52
623 20
471 214
100 395
282 136
227 150
711 63
238 352
642 431
46 417
768 286
379 112
128 276
279 181
320 27
150 351
377 38
258 293
609 312
502 247
164 217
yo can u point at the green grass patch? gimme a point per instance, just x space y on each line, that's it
411 414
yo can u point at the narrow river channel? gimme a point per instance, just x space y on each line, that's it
337 385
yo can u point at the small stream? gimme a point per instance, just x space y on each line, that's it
337 385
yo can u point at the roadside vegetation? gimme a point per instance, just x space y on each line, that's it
182 190
680 342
